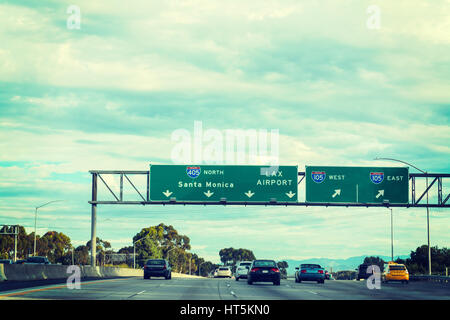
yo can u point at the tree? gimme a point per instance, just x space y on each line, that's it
283 265
25 243
54 245
229 256
375 261
155 242
101 249
81 255
417 263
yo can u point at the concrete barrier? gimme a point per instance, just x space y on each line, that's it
25 272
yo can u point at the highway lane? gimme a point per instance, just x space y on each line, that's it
229 289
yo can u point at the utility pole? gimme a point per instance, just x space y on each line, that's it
16 231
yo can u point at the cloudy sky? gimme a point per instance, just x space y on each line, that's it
342 81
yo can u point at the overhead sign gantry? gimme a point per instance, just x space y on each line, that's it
246 185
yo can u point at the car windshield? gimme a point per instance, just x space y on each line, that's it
264 263
224 269
156 262
310 266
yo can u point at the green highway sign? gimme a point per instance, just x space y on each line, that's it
211 183
357 184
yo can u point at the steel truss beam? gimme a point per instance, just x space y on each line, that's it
413 177
9 229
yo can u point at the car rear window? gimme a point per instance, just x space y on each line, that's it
224 269
156 262
264 264
397 268
245 264
363 267
310 266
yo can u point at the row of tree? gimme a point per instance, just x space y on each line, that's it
417 263
155 242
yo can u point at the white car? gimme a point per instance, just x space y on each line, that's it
242 270
224 272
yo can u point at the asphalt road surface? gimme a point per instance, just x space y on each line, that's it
229 289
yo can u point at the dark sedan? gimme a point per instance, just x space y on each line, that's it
157 268
37 260
264 271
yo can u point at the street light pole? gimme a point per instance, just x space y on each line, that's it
134 250
392 237
167 253
428 209
35 222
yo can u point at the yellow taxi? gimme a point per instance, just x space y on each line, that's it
395 272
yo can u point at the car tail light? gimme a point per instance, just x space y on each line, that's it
320 271
164 268
303 271
145 267
275 270
254 270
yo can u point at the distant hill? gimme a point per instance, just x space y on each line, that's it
336 264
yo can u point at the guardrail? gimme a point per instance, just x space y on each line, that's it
442 279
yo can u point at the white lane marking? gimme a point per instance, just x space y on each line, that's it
135 294
312 292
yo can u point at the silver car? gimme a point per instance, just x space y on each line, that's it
242 270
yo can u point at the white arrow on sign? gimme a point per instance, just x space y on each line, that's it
167 193
380 194
208 194
337 193
249 194
290 194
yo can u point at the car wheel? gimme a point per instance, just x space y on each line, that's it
237 278
146 277
250 282
276 283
